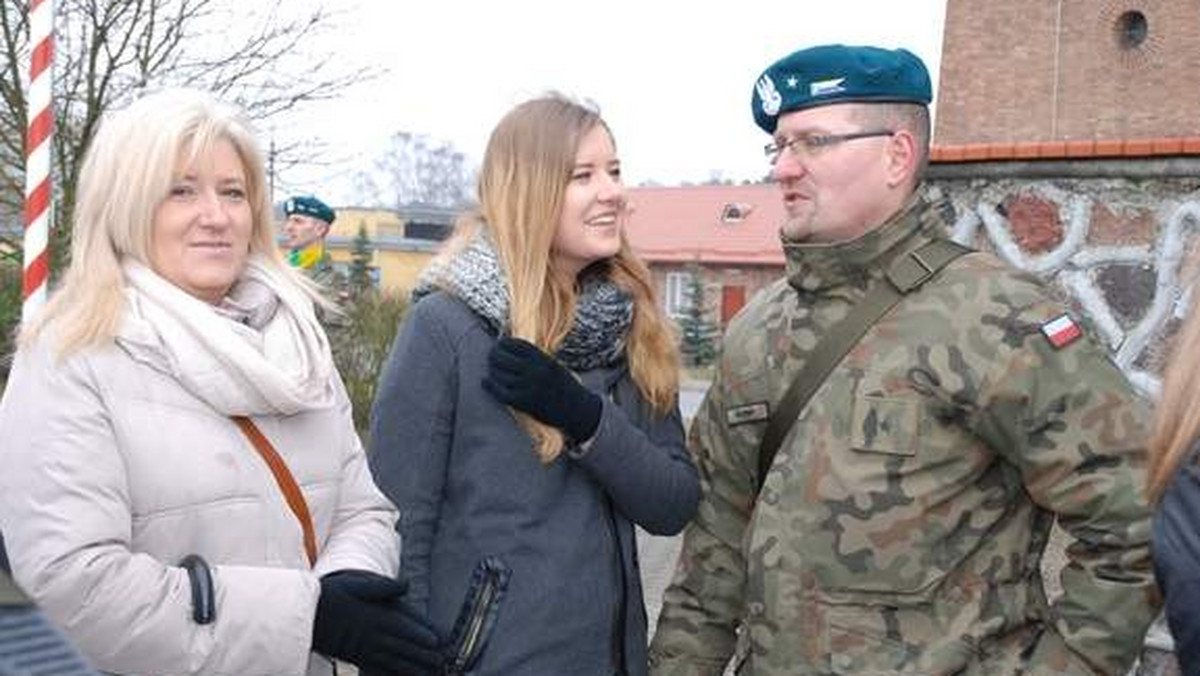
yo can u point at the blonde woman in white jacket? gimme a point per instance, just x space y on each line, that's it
140 502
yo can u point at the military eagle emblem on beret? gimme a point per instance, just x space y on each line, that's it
769 95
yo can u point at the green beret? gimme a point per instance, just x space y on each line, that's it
818 76
309 206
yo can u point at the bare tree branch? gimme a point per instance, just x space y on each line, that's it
411 171
263 55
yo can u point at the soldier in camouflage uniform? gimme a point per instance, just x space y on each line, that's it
901 526
308 222
307 225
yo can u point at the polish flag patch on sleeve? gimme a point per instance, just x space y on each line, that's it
1061 331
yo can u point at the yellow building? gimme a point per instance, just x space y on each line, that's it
402 241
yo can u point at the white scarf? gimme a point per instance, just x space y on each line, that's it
275 361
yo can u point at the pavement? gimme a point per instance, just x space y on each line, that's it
691 393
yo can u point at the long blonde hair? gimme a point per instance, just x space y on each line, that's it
127 172
522 183
1177 417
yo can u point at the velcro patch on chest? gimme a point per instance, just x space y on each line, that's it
1061 331
884 425
748 413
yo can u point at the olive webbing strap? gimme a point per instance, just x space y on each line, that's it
904 276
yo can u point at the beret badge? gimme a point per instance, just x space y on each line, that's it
827 87
769 95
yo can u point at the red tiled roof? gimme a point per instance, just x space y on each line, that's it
684 224
1058 150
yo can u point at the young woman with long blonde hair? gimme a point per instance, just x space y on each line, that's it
528 416
1174 484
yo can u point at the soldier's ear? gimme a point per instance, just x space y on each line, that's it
900 158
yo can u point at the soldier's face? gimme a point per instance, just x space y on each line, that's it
594 206
303 230
834 192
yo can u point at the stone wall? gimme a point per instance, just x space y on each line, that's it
1122 250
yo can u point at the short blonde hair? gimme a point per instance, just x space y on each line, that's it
127 172
912 117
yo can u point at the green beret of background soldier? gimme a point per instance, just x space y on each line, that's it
900 526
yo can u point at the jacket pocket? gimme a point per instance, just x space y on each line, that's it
885 641
477 617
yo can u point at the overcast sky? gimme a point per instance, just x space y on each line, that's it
672 78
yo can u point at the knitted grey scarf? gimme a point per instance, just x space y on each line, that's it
603 312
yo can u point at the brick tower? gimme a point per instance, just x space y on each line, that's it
1037 71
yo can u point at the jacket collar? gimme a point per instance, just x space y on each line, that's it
821 268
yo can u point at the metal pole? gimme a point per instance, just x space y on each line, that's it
37 158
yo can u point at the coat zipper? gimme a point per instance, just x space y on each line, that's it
621 611
475 626
618 629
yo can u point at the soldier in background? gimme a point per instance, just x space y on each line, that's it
901 525
307 226
308 223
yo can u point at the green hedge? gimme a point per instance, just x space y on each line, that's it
361 339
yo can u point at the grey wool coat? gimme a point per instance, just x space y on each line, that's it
542 557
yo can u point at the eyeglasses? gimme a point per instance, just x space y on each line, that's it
809 145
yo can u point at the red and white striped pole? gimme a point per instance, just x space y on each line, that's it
37 158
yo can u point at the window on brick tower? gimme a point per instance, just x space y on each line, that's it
1132 29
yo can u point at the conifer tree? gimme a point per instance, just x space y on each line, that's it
361 251
698 334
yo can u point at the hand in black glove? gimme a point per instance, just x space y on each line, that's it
522 376
362 619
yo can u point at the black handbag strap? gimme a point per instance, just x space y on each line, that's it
905 275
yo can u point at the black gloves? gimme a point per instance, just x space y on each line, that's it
522 376
362 619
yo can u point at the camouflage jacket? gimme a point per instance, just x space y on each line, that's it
323 273
332 285
901 527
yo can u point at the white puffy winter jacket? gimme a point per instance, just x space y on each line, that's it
111 473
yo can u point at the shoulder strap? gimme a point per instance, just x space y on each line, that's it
904 276
287 483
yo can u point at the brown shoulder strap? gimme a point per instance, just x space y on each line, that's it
905 275
287 483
